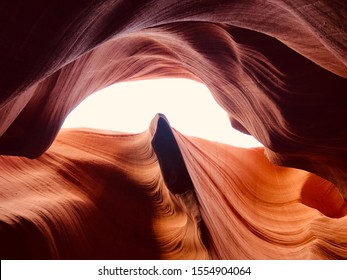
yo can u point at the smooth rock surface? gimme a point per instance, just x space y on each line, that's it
277 67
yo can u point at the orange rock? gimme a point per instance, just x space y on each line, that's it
101 195
277 68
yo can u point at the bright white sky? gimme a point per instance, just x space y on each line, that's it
130 107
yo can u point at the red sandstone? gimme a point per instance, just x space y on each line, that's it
278 68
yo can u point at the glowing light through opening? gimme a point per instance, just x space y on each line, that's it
130 107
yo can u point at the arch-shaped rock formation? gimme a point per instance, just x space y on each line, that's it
278 68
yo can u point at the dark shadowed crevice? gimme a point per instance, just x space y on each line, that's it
23 240
173 167
170 159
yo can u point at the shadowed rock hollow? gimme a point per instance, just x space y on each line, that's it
278 68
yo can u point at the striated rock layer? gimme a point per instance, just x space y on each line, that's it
277 67
99 195
160 194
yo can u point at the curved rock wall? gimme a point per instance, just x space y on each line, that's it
278 68
160 194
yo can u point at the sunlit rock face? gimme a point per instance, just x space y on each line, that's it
278 68
102 196
163 195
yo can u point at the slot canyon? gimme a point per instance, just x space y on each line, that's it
278 68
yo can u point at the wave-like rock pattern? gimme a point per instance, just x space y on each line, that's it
277 67
95 195
160 194
253 209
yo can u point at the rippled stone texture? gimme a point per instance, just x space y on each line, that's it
278 68
160 194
